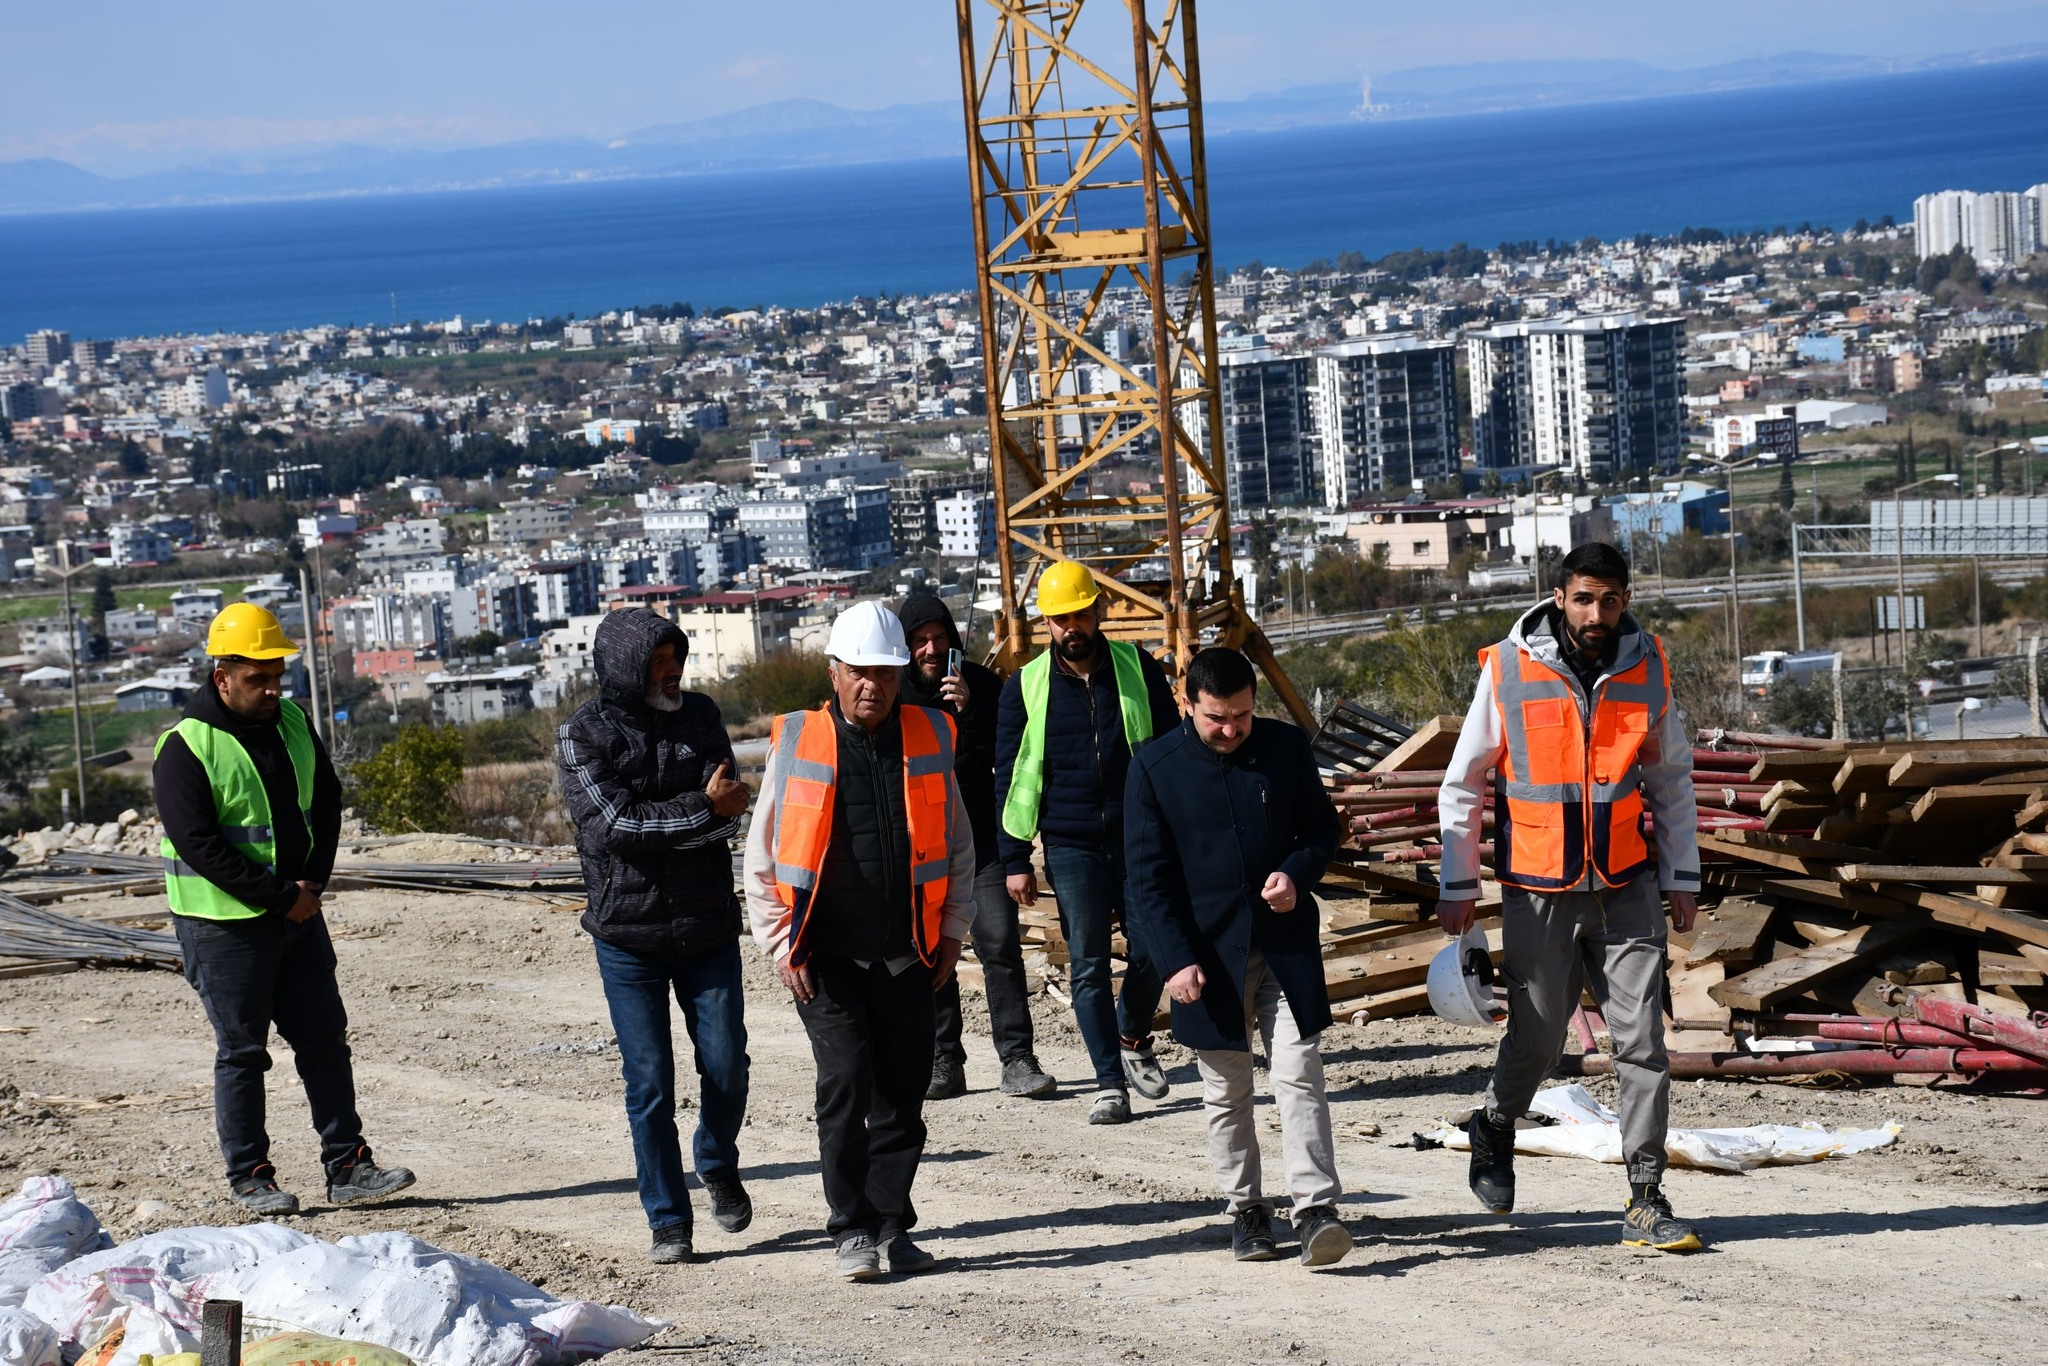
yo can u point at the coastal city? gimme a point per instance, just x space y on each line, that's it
472 495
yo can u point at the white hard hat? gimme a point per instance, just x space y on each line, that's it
1461 982
868 633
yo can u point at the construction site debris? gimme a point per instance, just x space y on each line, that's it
1572 1123
35 940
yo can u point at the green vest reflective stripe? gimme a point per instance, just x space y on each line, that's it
240 804
1027 777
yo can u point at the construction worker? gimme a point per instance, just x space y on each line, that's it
937 677
1574 718
251 809
1227 827
1066 728
647 775
860 886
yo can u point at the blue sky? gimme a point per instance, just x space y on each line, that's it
129 85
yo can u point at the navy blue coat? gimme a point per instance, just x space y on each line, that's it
1202 832
1086 757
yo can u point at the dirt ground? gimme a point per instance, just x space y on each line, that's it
485 1063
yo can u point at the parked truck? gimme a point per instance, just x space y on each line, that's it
1763 672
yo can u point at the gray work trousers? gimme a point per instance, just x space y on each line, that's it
1295 1064
1554 945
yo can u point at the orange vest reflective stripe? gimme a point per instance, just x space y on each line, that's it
1568 801
807 745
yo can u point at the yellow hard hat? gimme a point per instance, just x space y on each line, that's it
249 632
1066 586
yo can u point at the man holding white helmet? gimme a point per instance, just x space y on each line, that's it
1574 717
860 885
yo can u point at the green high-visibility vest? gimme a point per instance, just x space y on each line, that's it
242 807
1027 778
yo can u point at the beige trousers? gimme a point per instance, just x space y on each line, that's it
1296 1066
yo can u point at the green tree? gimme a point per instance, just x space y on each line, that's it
410 783
103 599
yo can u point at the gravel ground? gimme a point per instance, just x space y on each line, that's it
485 1062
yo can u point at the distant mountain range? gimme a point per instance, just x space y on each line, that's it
793 133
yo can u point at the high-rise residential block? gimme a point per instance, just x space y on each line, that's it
1997 227
1385 415
1591 394
1269 430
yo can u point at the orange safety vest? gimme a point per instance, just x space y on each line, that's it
1568 801
807 745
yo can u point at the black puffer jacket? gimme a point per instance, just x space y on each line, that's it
656 859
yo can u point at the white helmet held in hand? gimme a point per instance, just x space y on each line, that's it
1461 982
867 633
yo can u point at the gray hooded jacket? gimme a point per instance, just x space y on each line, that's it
656 858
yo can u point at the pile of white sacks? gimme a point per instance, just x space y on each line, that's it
129 833
64 1288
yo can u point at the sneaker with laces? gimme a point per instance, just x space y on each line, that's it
1493 1162
1647 1221
362 1179
731 1208
1146 1076
672 1245
949 1079
258 1193
857 1258
905 1258
1251 1235
1024 1077
1324 1239
1109 1107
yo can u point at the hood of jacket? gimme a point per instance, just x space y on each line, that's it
624 643
1540 635
922 609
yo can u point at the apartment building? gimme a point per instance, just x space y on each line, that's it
1592 394
1385 415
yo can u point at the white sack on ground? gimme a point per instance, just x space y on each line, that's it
1586 1128
41 1229
439 1308
26 1340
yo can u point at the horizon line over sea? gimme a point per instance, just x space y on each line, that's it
1826 153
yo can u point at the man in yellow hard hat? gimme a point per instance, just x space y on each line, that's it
251 809
1066 727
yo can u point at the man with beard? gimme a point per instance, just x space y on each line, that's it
970 694
1066 728
647 775
1574 712
1228 827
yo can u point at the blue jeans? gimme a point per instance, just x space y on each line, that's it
1090 886
707 987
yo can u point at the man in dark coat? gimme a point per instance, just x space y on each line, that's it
970 694
1227 828
647 775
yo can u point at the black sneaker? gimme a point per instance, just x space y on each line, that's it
1324 1239
1251 1235
258 1193
949 1079
731 1209
856 1258
672 1245
1647 1221
1022 1076
361 1179
1493 1162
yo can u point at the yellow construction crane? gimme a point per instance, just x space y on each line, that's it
1097 289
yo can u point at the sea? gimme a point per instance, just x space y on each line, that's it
1825 154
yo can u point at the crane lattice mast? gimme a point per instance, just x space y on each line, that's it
1097 291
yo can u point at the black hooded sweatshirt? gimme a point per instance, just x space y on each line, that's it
184 801
656 858
974 752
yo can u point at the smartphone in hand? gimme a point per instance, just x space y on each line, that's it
952 663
